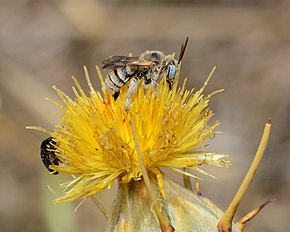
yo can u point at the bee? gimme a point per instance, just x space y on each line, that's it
47 154
150 67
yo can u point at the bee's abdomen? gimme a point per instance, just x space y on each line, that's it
118 77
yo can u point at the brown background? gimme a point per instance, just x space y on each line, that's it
45 42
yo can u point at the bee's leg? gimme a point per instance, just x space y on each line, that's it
116 95
131 91
169 84
154 86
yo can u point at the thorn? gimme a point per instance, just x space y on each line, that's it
186 180
197 188
97 202
163 220
249 216
225 223
101 207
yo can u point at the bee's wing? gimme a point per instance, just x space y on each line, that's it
120 61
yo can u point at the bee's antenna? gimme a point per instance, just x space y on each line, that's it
182 50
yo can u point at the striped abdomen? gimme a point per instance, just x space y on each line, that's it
118 77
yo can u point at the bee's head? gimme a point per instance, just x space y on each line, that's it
172 65
171 68
168 65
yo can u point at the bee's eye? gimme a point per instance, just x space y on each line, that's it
171 71
155 56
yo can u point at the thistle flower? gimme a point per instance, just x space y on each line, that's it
99 140
94 139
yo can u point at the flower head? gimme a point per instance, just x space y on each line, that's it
94 139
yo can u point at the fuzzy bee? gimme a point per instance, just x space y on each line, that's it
48 155
150 66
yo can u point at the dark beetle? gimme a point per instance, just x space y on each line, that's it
47 154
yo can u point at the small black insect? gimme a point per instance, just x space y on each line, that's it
48 155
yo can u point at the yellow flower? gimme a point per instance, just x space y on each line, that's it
94 138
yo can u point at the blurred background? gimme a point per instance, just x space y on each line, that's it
44 42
